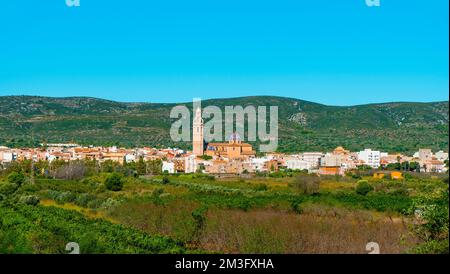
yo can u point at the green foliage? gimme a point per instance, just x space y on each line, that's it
363 187
432 247
261 187
114 182
296 206
206 157
165 180
101 122
37 229
16 178
432 214
7 188
29 200
199 216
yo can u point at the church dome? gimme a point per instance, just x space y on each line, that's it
234 137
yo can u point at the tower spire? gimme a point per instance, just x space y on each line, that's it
197 140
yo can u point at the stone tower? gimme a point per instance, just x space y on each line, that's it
197 135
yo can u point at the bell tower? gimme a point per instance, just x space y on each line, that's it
197 135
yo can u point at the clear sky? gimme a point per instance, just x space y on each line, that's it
337 52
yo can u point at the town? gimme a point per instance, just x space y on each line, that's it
236 157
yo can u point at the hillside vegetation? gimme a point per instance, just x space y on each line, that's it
304 126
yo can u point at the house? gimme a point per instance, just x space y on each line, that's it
313 158
425 154
296 163
370 157
330 170
441 155
434 165
168 167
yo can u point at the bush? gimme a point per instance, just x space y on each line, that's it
8 188
114 182
84 200
307 184
261 187
363 187
29 200
16 178
296 206
165 180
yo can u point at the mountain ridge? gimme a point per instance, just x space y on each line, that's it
304 125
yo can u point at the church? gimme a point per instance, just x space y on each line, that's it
232 149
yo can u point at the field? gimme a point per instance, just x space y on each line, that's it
196 213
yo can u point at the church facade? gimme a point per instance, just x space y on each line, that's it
232 149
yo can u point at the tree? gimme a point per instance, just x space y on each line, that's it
71 171
114 182
307 184
141 166
16 178
363 187
206 157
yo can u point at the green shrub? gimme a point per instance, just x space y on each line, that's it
363 187
7 188
296 206
114 182
260 187
165 180
16 178
29 200
199 216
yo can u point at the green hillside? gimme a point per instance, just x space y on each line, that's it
304 126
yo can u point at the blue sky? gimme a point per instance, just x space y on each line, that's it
327 51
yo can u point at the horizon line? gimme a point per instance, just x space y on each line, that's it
225 98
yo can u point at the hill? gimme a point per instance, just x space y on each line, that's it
304 126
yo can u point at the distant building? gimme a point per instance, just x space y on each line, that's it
168 167
425 154
313 158
331 159
434 166
330 170
235 148
370 157
441 155
190 164
198 139
296 163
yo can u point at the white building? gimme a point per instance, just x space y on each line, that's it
313 158
259 164
425 154
295 163
330 160
441 155
370 157
130 158
190 164
168 166
6 157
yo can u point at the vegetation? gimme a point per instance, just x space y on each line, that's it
363 187
114 182
392 127
292 212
